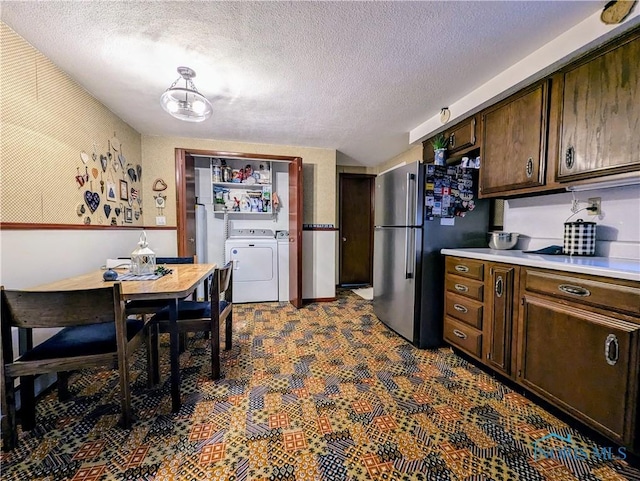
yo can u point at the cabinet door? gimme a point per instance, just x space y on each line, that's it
462 136
499 320
601 115
514 139
585 363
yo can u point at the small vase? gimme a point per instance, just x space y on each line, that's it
438 156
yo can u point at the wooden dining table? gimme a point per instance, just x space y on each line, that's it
180 283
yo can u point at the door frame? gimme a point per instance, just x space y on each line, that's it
295 208
371 178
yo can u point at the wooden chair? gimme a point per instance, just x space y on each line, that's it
204 317
95 333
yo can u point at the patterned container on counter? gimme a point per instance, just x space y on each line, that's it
579 238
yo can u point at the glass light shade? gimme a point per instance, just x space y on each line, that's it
143 259
186 103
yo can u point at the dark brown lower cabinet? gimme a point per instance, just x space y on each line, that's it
583 362
572 339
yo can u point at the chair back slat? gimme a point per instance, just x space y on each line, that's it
224 274
33 309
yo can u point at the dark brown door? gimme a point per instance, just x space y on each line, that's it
356 229
584 362
500 316
600 115
295 232
514 142
190 206
185 203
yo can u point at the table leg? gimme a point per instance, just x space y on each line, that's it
175 355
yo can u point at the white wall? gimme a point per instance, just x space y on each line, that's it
32 257
318 249
540 220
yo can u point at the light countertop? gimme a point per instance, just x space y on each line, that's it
617 268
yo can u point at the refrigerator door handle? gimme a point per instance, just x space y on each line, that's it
410 204
409 236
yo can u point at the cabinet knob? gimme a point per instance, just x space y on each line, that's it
569 157
344 239
461 288
529 167
461 268
611 349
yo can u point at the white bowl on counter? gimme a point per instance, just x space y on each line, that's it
502 240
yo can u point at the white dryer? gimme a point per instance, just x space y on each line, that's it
254 253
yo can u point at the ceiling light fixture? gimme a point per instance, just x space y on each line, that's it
186 103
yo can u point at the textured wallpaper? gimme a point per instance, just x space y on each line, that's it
53 133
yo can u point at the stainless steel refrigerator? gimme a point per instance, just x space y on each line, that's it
408 269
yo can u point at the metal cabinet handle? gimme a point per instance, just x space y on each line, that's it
461 268
529 167
461 288
611 350
344 239
569 158
574 290
499 286
459 334
452 140
460 308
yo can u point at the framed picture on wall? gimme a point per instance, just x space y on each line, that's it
128 215
112 196
124 190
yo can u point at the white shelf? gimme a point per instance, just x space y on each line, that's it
241 185
233 212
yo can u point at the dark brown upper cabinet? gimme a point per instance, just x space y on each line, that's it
514 134
600 133
461 139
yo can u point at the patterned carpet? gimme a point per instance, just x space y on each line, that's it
321 393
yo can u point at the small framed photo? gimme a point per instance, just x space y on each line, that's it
112 196
128 215
124 190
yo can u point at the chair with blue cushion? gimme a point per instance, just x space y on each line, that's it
95 333
194 316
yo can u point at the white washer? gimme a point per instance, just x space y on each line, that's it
254 253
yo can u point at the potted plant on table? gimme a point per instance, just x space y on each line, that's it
439 147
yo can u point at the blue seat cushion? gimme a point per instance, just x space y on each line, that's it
81 341
189 310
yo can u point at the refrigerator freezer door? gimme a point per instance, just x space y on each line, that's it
394 280
397 197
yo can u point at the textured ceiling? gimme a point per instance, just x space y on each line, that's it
351 76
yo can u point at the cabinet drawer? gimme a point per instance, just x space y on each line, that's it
463 336
612 296
465 287
465 268
464 310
